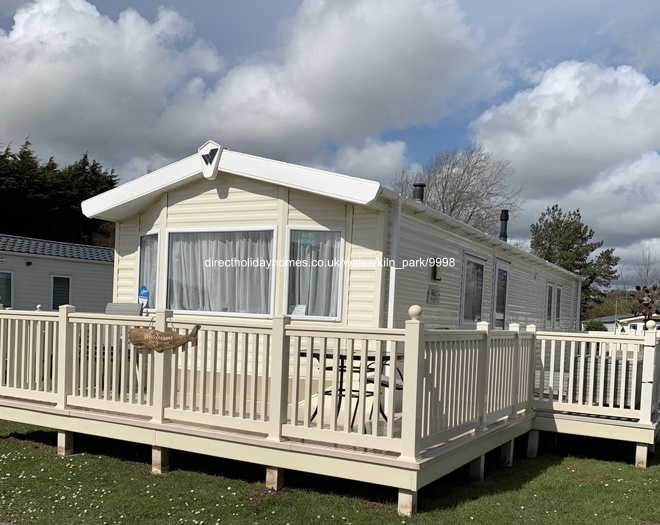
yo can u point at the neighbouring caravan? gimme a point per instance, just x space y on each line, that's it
228 234
36 273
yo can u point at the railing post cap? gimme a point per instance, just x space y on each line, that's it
483 325
67 308
415 312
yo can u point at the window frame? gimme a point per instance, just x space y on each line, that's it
477 260
164 279
500 265
340 284
11 288
139 260
52 289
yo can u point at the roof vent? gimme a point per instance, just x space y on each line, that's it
504 219
418 192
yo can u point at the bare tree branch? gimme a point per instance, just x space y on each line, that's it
470 185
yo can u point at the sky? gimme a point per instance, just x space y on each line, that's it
566 91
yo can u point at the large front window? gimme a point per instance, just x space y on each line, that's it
314 273
5 289
473 290
227 271
149 267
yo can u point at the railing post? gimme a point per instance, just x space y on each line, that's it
532 366
162 371
413 382
648 372
515 327
65 346
482 376
279 377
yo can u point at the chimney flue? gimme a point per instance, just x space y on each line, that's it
418 192
504 219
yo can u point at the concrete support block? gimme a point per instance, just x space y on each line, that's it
274 478
506 454
533 443
478 468
407 504
64 443
641 455
160 460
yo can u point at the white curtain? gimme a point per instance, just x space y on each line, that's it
198 282
149 266
314 287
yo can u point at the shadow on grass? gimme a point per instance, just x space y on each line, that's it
451 491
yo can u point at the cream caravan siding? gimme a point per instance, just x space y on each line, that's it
420 239
307 209
227 202
90 285
126 246
526 299
365 273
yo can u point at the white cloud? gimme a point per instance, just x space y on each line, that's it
375 160
75 80
585 136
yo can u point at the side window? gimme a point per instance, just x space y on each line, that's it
499 318
473 290
148 272
6 288
60 291
314 273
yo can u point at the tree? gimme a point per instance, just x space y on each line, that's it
564 240
470 185
646 267
593 325
43 201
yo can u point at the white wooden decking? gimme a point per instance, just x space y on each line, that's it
270 392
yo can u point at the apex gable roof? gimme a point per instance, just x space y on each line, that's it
131 197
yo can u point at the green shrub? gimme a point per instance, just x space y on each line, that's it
594 325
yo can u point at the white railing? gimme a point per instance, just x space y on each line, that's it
596 374
28 355
224 380
107 371
399 391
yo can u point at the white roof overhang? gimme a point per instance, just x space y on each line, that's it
132 197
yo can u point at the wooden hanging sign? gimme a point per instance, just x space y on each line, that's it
153 339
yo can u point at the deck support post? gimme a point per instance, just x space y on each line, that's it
478 468
160 460
506 454
641 455
279 380
482 377
533 443
515 327
274 478
65 355
648 396
64 443
407 503
413 373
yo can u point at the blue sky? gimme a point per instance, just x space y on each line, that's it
567 91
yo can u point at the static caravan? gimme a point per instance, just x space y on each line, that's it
47 274
223 233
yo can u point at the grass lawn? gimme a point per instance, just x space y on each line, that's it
110 482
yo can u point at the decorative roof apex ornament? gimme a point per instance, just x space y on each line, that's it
209 155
